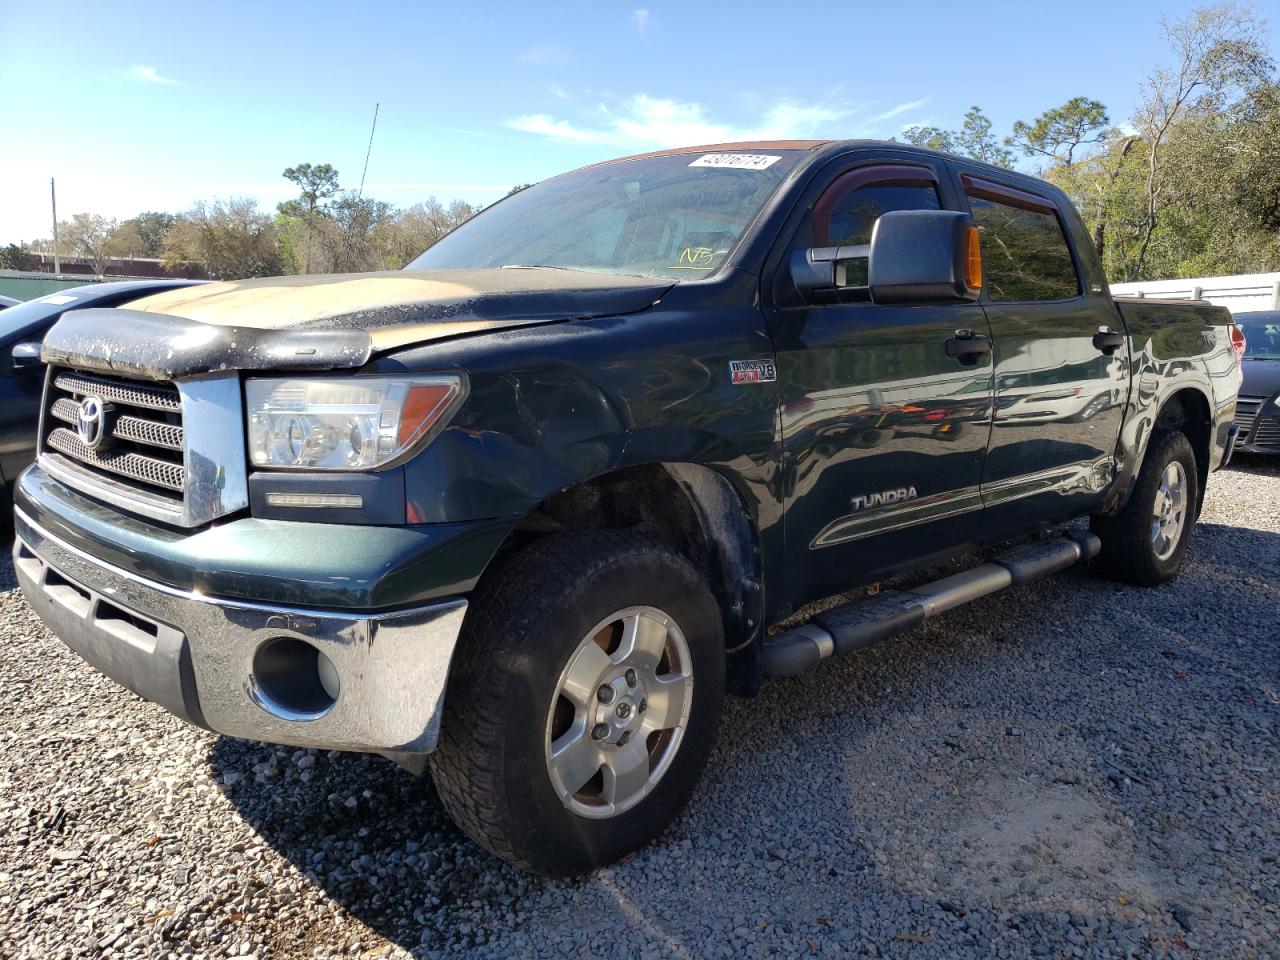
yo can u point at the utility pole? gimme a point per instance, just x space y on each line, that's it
53 196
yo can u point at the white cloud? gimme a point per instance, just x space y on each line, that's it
150 75
641 19
548 126
543 55
644 120
899 109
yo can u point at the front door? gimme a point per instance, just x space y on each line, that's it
884 434
1061 366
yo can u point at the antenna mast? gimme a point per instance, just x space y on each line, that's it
365 171
53 198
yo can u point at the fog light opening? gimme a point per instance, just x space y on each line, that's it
293 680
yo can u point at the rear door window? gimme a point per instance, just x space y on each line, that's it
1024 252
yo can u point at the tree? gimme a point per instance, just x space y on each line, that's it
1217 52
125 241
233 238
934 138
411 231
316 184
516 189
974 139
348 234
1060 131
15 257
86 235
151 227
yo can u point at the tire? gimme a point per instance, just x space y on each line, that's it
1134 550
520 665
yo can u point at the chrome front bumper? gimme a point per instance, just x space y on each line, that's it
195 654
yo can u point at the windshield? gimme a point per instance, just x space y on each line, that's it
1261 334
673 217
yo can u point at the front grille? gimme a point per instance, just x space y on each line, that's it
1267 433
143 450
1246 413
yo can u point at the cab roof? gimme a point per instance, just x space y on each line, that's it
725 147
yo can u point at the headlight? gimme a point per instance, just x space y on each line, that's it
346 423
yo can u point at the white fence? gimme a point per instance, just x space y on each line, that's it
1251 291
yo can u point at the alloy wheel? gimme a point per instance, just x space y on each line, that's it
620 711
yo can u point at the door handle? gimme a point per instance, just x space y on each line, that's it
966 346
1107 341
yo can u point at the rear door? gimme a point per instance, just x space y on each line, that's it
1061 361
884 434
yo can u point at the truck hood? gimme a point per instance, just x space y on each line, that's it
330 320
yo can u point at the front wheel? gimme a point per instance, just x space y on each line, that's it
583 701
1145 542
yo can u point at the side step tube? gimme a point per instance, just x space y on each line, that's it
863 622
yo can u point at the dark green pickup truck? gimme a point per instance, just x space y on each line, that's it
525 510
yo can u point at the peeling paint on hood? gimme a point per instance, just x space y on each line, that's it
329 321
400 308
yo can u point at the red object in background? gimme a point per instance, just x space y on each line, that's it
1237 340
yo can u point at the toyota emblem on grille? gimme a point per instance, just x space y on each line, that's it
91 422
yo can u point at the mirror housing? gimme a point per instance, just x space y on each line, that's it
924 256
26 356
813 272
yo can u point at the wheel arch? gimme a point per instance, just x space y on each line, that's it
693 508
1188 410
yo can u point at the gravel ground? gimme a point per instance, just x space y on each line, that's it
1072 768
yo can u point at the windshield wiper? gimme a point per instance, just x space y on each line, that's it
531 266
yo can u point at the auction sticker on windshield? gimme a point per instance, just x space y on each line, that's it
735 161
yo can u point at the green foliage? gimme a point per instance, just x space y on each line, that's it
14 257
974 139
348 237
934 138
151 227
1060 131
233 238
316 184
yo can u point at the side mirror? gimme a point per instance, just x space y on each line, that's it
830 274
924 256
26 356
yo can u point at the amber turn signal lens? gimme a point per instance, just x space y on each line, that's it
422 407
973 261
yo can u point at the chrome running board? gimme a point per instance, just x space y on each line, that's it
863 622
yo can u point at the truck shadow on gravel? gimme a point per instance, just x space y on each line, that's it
1045 765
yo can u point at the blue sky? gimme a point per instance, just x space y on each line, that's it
136 106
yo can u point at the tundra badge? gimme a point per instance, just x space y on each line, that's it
882 498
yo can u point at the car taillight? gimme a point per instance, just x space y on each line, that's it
1237 340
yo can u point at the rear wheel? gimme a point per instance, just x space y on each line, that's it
1146 542
583 701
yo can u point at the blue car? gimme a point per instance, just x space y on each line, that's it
22 328
1258 407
